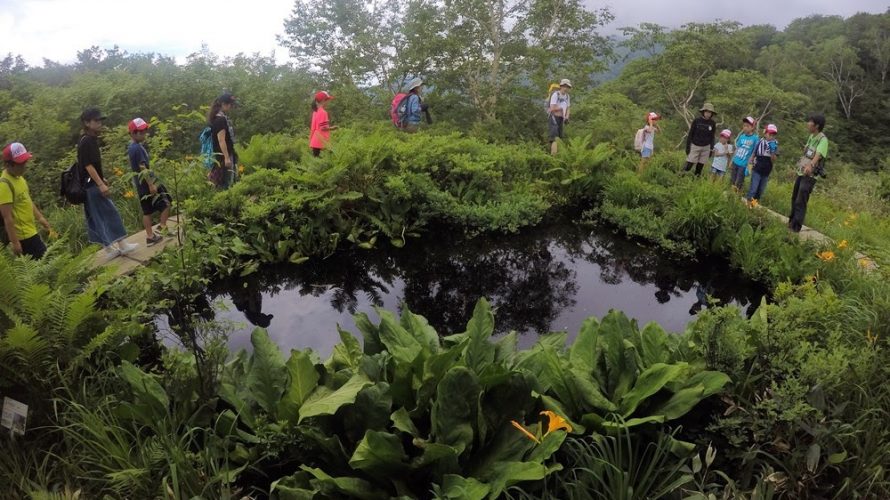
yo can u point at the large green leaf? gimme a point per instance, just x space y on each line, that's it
401 420
398 341
454 412
506 474
346 354
339 486
480 351
148 392
379 454
700 386
267 375
589 391
456 487
420 328
653 345
370 332
583 352
434 368
652 380
434 453
302 380
327 403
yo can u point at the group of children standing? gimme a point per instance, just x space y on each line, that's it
749 153
104 224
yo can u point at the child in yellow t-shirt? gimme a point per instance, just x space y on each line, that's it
18 211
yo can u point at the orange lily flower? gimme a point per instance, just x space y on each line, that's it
826 256
525 431
555 422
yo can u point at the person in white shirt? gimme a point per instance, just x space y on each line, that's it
558 112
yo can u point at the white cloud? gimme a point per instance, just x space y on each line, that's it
58 29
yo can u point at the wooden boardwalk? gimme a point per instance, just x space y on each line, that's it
142 255
809 234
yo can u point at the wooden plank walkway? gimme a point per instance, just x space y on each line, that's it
142 255
809 234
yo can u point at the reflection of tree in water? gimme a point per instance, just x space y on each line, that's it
618 258
518 274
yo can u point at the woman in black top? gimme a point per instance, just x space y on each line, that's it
223 136
104 225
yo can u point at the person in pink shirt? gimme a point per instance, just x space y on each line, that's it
320 130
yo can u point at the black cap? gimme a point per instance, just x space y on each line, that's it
227 98
92 114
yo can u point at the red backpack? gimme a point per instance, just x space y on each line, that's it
398 110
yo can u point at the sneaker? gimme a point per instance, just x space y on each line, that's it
112 251
155 239
126 248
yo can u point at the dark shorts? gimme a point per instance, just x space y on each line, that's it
33 246
556 123
316 152
155 203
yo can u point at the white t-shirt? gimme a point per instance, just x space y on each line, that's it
560 99
720 160
649 137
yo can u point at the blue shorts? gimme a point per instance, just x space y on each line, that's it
646 153
718 173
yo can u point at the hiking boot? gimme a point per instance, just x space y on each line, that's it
126 248
154 240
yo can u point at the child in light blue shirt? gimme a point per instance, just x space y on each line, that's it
744 151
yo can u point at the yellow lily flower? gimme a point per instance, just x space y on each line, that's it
525 431
129 194
842 245
555 422
864 263
240 169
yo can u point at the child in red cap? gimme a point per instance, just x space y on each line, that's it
153 196
320 130
18 211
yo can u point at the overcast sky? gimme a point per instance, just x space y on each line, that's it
57 29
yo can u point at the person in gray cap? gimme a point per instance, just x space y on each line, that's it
414 107
558 112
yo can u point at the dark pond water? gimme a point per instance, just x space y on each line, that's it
544 279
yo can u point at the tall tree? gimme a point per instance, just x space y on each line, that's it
839 64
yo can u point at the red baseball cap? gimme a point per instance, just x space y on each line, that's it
771 129
137 124
322 96
16 153
750 120
653 116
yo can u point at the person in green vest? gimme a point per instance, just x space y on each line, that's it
20 214
810 167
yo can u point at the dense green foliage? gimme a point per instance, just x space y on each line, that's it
789 402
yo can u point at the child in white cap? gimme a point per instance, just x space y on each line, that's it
723 151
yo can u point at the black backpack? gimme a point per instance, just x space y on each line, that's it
71 186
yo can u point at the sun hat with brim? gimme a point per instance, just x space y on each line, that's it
16 153
137 124
92 114
771 129
653 116
726 132
708 107
565 82
323 96
413 84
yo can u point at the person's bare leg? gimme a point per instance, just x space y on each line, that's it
553 148
165 214
146 223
